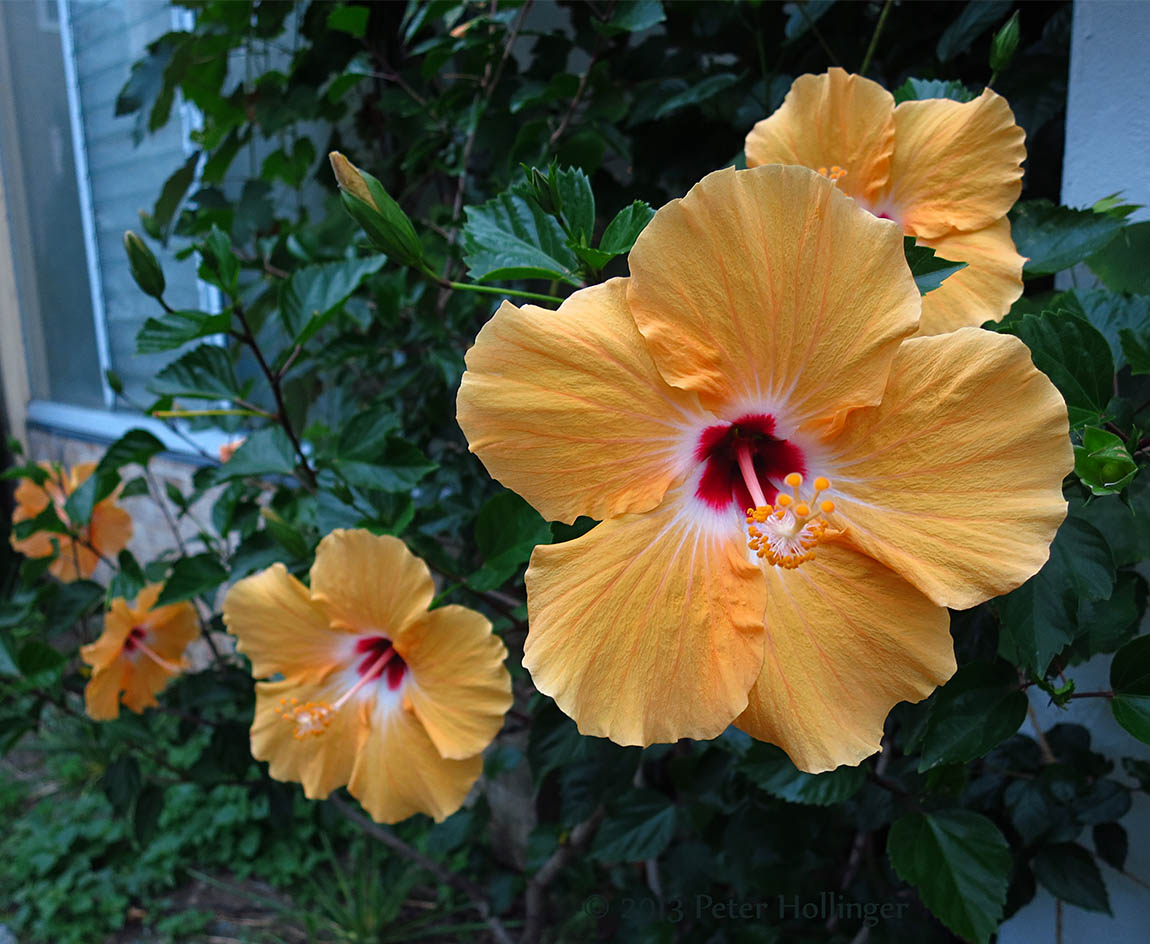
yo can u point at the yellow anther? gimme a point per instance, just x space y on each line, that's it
787 534
310 719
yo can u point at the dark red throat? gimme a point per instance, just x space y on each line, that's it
773 458
134 636
374 648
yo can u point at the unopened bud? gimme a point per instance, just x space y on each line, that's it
145 268
387 227
1005 44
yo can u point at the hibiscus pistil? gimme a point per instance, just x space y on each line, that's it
786 534
312 718
135 643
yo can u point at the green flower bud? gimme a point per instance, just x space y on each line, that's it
145 269
1005 44
387 227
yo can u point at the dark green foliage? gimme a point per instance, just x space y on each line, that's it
517 154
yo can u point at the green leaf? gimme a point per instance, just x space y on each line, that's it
267 451
577 203
633 16
1112 844
959 863
135 446
194 576
771 770
1056 237
1121 265
364 436
1040 618
146 813
621 232
314 292
1102 462
177 328
220 266
399 468
1136 348
511 237
640 826
914 90
289 166
507 530
802 15
979 708
974 20
929 269
1130 681
1105 625
1070 873
695 93
348 19
1110 313
172 195
121 783
205 373
129 579
1074 355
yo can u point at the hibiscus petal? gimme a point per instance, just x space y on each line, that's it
369 582
321 763
956 165
280 628
648 628
144 680
102 693
847 640
118 622
458 684
110 529
770 287
945 484
567 409
984 290
398 771
831 119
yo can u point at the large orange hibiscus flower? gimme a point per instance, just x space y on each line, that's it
377 692
139 652
946 172
108 531
757 359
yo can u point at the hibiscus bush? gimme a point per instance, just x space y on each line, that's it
681 459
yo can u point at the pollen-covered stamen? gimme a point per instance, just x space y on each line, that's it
135 643
313 718
786 534
835 173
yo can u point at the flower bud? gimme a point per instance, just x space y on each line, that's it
387 227
145 269
1005 43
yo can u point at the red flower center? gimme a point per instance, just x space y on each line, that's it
135 637
371 666
719 447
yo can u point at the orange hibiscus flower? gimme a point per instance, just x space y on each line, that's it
108 531
946 172
138 653
378 693
756 359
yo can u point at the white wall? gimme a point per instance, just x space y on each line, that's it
1107 150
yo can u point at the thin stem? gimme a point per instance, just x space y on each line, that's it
469 888
492 290
570 113
158 498
248 337
1106 694
1043 744
581 837
802 5
874 37
255 411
